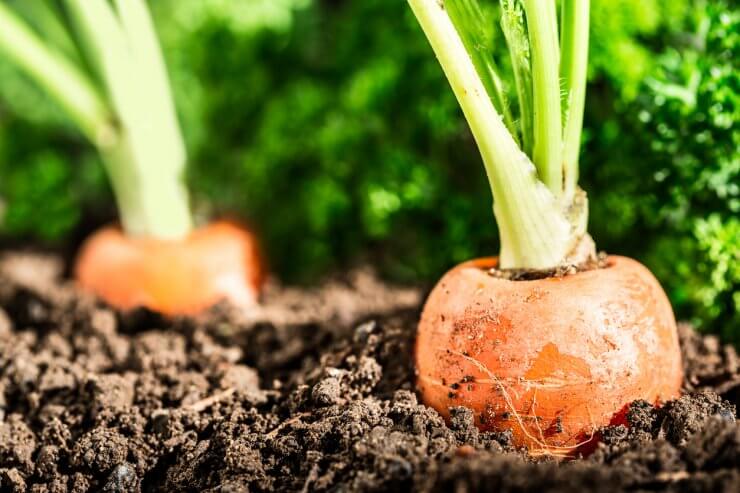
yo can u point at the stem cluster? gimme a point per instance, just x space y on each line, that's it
532 162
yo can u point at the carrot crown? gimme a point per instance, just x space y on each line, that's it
102 63
531 161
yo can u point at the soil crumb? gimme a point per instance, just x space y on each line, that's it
312 392
599 262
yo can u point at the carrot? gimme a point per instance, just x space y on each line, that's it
217 262
114 86
551 359
556 358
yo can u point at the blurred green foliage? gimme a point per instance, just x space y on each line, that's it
691 110
329 126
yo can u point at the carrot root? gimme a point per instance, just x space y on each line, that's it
552 359
217 262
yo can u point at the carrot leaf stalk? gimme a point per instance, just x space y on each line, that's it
573 65
531 167
116 89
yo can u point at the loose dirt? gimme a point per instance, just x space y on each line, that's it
313 391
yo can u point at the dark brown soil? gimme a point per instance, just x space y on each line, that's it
599 261
312 392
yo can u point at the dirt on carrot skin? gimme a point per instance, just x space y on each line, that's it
600 261
312 392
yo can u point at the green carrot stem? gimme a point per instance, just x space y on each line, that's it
573 67
535 229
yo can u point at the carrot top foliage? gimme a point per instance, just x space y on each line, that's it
541 214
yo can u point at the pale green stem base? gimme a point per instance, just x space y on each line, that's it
152 205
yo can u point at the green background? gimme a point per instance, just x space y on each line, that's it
328 126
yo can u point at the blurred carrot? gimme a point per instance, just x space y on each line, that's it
217 262
102 63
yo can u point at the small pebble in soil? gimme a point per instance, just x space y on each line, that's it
326 392
122 479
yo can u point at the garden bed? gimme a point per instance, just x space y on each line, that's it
312 391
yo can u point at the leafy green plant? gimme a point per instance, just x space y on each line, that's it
690 108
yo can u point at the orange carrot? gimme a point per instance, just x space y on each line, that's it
175 277
551 359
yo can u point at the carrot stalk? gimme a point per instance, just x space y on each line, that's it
61 78
543 41
515 31
573 65
539 227
124 107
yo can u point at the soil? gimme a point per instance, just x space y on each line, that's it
600 261
313 391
